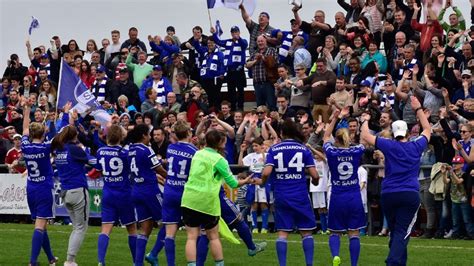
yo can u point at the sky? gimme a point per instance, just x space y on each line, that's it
94 19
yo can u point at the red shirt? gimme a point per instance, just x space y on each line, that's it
426 32
12 155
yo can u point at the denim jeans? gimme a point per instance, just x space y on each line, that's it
427 200
265 94
462 213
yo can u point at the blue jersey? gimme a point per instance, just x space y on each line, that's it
143 161
38 162
113 162
70 163
343 164
289 159
179 162
402 163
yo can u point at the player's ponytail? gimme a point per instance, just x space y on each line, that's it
342 138
67 134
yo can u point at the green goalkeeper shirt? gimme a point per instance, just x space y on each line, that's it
201 192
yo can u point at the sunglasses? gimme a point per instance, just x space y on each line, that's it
299 69
260 113
464 131
466 77
388 84
200 116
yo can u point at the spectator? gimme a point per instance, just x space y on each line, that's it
114 48
428 29
263 64
375 56
234 61
123 86
226 114
285 40
133 41
300 54
105 43
212 71
339 29
14 158
322 83
49 90
194 55
14 67
91 47
353 11
263 28
185 83
179 66
28 87
158 83
150 105
341 98
165 48
193 101
283 108
300 98
141 70
456 19
374 10
85 74
170 31
159 142
171 103
399 25
101 84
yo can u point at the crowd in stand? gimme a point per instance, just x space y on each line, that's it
370 61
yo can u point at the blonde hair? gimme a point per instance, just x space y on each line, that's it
343 138
36 130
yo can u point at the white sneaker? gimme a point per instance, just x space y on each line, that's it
70 263
449 234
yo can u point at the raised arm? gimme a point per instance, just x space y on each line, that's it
330 128
245 16
364 130
416 106
26 115
28 50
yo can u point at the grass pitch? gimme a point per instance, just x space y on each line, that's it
15 244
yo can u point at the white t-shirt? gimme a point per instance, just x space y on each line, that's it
362 173
255 162
323 171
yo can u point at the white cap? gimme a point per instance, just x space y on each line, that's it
16 136
399 128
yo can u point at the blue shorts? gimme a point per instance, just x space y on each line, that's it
117 205
41 202
147 203
229 211
294 213
346 212
171 209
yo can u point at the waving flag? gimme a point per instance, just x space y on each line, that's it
219 28
72 89
215 3
34 24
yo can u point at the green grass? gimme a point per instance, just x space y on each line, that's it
15 242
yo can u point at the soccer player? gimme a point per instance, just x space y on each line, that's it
257 196
116 194
285 165
179 157
200 202
146 196
346 212
39 185
400 187
71 159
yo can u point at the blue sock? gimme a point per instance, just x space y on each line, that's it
202 249
47 246
254 219
334 244
281 247
141 247
170 250
160 242
354 249
308 248
102 245
265 213
244 232
36 243
132 245
323 217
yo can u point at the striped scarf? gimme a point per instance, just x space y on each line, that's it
98 89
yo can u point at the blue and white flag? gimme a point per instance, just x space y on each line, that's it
34 25
72 89
219 28
215 3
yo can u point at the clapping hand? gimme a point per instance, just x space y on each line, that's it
415 104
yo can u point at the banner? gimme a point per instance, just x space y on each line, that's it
95 198
13 194
233 4
72 89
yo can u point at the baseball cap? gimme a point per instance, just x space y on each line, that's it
157 68
16 136
265 14
45 56
399 128
365 83
466 72
100 68
234 29
458 160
